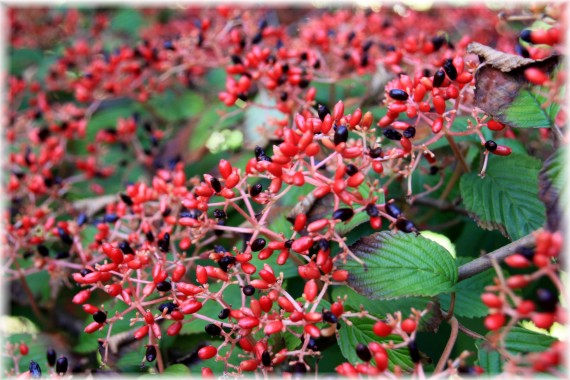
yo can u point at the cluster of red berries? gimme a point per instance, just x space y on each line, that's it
167 248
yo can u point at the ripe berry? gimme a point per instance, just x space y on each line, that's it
164 286
351 169
372 210
363 352
207 352
219 214
164 243
375 152
450 70
256 190
323 111
340 134
495 321
410 132
212 329
409 325
546 300
393 210
343 214
225 262
392 134
24 349
126 199
150 354
438 78
61 365
329 317
51 356
168 306
224 313
490 145
543 320
266 358
126 248
100 317
526 35
398 94
35 370
381 329
258 244
248 290
406 225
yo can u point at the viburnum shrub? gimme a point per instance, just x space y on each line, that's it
228 191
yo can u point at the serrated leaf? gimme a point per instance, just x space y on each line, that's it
361 332
468 293
488 359
526 110
400 265
507 197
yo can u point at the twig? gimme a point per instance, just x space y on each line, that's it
449 346
485 262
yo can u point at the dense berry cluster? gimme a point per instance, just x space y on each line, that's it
178 249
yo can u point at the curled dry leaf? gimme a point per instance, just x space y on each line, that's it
500 78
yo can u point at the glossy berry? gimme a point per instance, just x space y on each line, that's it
323 111
99 316
392 134
329 317
258 244
546 300
375 153
495 321
168 306
438 78
225 262
398 94
164 243
526 35
410 132
212 329
61 365
248 290
372 210
450 70
381 329
164 286
266 358
406 225
393 210
340 134
363 352
224 313
490 145
35 370
409 325
343 214
351 169
51 356
219 214
255 190
150 354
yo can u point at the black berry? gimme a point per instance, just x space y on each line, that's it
414 352
225 262
61 365
406 225
126 248
51 355
266 358
450 70
164 286
351 169
372 210
216 185
100 316
150 354
393 210
248 290
258 244
438 78
329 317
343 214
126 199
392 134
410 132
375 152
256 190
526 35
363 352
490 145
213 330
35 370
546 299
164 243
323 111
340 134
433 170
168 306
398 94
219 214
224 313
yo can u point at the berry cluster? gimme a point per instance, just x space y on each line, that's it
176 249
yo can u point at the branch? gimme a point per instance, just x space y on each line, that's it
484 262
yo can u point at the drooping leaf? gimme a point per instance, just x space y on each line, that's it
468 293
361 332
400 265
507 197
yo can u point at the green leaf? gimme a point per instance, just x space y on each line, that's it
468 293
526 110
507 197
361 332
400 265
520 340
488 359
171 106
554 169
177 370
128 21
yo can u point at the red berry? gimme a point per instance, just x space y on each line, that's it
207 352
495 321
382 329
409 325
